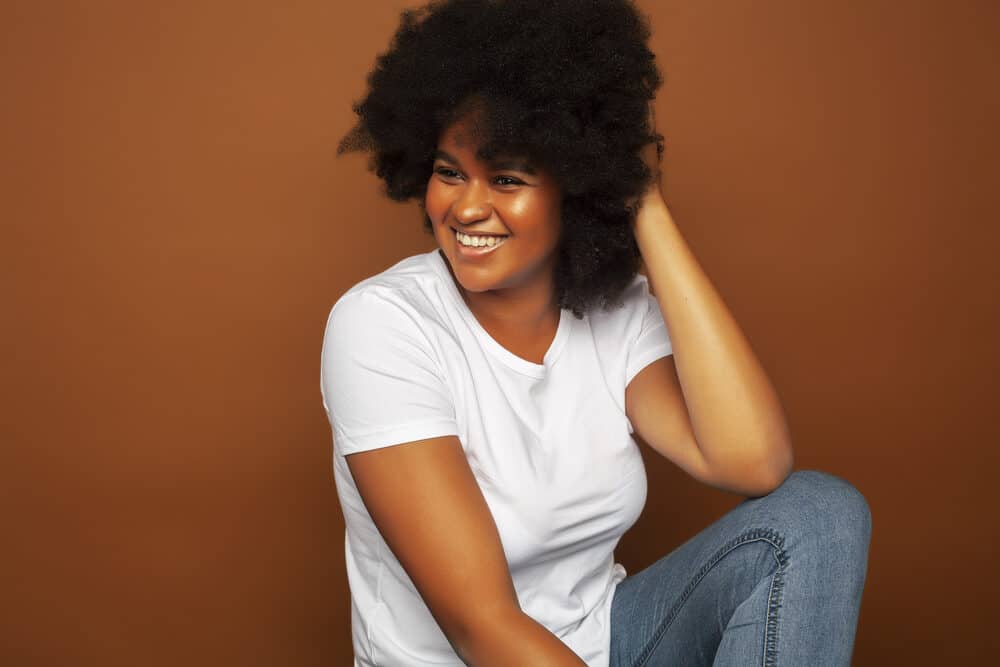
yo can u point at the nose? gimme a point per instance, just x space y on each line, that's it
473 204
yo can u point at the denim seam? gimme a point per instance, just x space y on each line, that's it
777 541
771 627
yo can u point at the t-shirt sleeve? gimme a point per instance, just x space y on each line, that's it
380 380
653 341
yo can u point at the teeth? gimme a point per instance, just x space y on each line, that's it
479 241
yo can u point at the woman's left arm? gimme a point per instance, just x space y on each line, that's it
734 415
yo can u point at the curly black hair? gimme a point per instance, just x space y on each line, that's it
567 83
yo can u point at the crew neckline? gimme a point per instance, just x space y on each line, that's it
439 263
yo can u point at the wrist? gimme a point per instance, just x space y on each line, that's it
651 208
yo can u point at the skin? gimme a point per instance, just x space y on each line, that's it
709 407
511 290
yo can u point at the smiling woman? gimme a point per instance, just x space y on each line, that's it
569 96
484 396
472 204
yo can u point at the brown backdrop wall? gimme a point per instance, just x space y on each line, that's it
176 227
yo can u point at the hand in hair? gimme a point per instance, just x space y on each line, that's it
651 154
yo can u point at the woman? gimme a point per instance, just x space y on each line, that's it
483 396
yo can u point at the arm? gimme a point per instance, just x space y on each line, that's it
431 512
711 407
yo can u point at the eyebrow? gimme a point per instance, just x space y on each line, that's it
506 163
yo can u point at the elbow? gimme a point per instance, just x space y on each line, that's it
774 469
758 472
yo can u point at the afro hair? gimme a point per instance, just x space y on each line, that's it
566 83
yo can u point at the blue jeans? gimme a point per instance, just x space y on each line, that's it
777 581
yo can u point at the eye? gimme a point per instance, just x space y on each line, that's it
447 173
508 180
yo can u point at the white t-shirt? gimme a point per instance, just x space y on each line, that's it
405 359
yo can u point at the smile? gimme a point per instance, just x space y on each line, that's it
478 245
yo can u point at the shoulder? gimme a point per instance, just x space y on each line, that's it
402 291
396 312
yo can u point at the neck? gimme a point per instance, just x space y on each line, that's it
515 310
526 308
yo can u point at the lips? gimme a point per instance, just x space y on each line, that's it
484 244
474 234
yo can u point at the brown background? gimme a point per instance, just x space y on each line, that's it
176 227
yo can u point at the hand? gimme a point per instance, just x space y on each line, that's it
650 155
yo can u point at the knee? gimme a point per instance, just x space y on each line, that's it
831 506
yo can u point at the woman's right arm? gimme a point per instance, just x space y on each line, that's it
430 510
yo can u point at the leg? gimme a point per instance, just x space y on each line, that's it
777 581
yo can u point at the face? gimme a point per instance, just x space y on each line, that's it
498 223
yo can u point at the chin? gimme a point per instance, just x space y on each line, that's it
470 283
470 279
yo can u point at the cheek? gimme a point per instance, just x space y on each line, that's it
529 211
434 203
540 215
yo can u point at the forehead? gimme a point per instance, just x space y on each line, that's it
467 133
499 161
464 138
